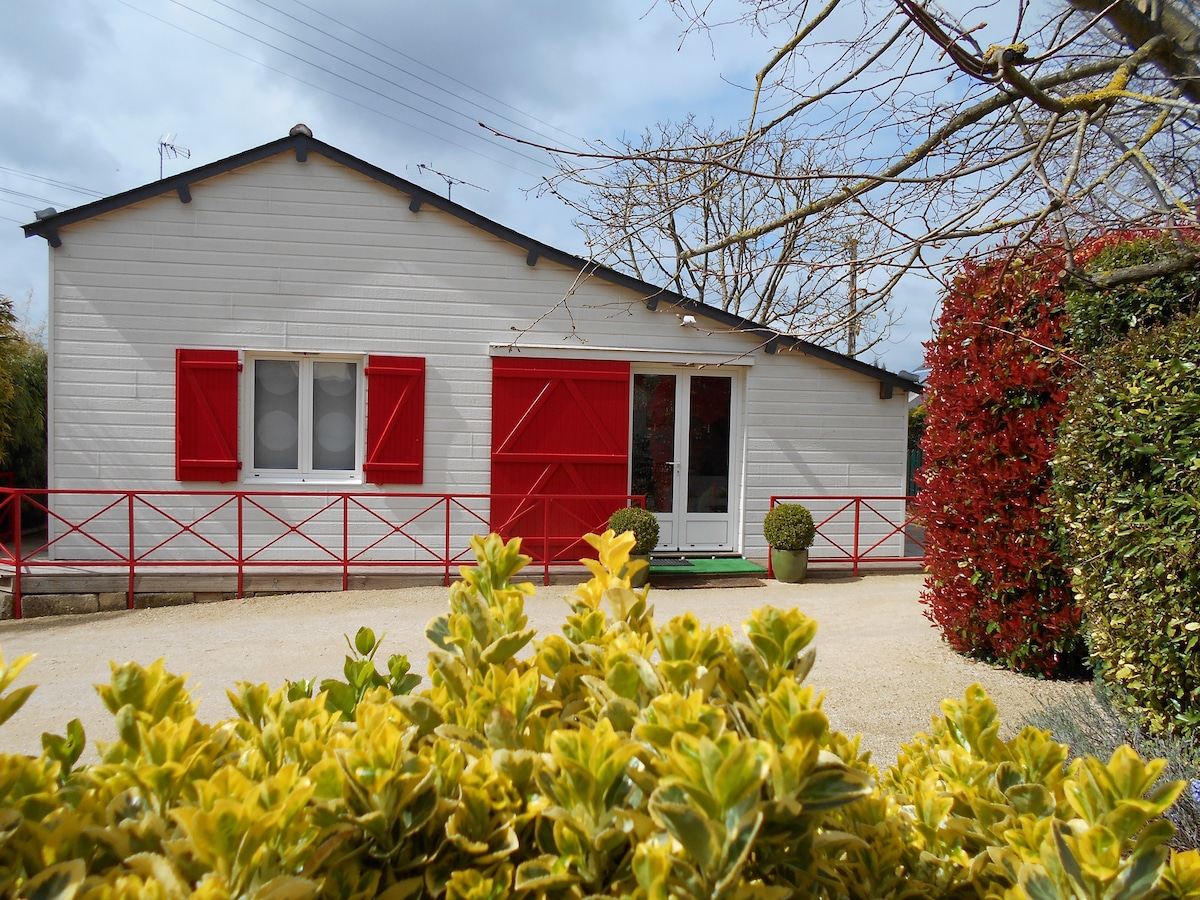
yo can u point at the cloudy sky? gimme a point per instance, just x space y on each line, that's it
89 89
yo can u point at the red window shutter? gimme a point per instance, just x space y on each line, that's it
206 415
395 420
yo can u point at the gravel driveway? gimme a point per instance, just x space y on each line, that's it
882 664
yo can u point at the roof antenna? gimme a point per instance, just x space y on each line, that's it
449 179
168 147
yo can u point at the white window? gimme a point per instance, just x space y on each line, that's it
304 417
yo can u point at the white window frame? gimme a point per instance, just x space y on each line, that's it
305 473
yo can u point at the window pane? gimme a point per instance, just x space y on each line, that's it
708 455
335 403
276 414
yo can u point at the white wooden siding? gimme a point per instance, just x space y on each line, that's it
289 256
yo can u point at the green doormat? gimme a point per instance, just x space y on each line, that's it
731 565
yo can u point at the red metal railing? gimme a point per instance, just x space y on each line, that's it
862 529
133 531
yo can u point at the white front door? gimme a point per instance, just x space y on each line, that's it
681 457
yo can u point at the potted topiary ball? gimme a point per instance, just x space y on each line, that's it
789 531
644 526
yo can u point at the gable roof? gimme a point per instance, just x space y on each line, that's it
301 142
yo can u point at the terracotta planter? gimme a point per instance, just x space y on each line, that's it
789 566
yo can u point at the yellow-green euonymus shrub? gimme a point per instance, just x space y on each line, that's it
622 758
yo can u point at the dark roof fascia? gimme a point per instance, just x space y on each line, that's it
49 226
42 227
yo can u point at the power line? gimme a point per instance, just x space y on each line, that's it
24 196
472 133
325 90
424 65
52 182
18 204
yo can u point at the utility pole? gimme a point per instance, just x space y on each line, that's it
852 319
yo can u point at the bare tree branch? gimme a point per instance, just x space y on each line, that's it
912 135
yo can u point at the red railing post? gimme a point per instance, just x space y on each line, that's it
129 604
446 552
857 522
770 571
15 518
241 563
345 542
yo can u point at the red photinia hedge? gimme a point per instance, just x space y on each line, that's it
997 385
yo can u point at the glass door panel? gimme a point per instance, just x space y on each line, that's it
708 444
652 460
681 445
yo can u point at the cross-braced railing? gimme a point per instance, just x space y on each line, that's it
132 532
862 529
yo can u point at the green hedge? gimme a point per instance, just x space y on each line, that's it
620 758
1127 482
1099 318
22 402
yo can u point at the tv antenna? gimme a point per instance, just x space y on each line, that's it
168 147
449 179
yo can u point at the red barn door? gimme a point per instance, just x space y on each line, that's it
560 427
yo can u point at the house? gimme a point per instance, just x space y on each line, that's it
297 323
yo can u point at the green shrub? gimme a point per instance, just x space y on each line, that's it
643 524
789 526
1127 482
1099 318
979 816
997 587
621 758
1091 725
